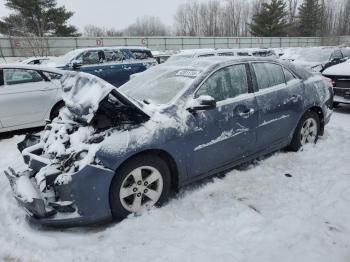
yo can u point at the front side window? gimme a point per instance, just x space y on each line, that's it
92 57
268 75
226 83
52 76
226 54
21 76
289 76
206 55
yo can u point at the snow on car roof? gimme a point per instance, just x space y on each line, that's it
205 63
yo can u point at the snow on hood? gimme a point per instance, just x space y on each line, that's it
82 93
342 69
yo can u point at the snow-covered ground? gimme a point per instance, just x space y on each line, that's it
286 207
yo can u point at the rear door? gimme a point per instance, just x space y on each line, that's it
280 103
227 133
25 97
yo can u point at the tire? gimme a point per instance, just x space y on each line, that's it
126 193
56 110
307 131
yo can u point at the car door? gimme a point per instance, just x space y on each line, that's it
25 97
92 63
280 103
117 70
227 133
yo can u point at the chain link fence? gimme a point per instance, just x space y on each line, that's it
54 46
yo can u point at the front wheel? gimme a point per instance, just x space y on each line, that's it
307 131
141 183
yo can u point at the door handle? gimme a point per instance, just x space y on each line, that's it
98 70
127 68
246 113
294 98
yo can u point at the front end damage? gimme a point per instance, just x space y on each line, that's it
65 184
83 200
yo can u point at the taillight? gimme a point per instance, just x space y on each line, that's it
328 81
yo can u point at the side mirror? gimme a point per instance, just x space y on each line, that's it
202 103
76 64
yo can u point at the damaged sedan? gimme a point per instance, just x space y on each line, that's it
113 152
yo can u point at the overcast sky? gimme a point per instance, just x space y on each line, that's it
114 13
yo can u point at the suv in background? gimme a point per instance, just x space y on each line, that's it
113 64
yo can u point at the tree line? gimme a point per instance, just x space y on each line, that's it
263 18
213 18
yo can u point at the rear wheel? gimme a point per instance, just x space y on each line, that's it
143 182
307 131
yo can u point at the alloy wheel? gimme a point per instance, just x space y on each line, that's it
141 189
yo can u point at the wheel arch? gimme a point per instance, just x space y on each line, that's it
58 104
319 112
165 156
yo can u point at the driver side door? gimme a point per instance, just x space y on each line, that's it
227 133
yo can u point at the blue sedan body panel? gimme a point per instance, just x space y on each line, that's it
200 143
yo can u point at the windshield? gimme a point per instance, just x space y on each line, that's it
179 57
67 58
159 85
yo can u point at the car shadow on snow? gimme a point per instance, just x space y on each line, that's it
343 109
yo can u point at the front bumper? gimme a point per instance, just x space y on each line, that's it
82 200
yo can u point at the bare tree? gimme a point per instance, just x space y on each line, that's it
93 31
147 26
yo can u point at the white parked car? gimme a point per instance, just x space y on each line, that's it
29 95
38 60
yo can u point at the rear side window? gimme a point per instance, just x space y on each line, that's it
228 82
142 54
268 75
346 52
337 54
21 76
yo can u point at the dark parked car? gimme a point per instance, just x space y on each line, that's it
113 64
113 152
338 56
340 76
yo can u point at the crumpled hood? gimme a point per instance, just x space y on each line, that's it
82 93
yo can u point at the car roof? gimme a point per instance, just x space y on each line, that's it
31 67
113 47
208 63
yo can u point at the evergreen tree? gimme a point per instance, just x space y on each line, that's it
37 18
309 20
270 20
